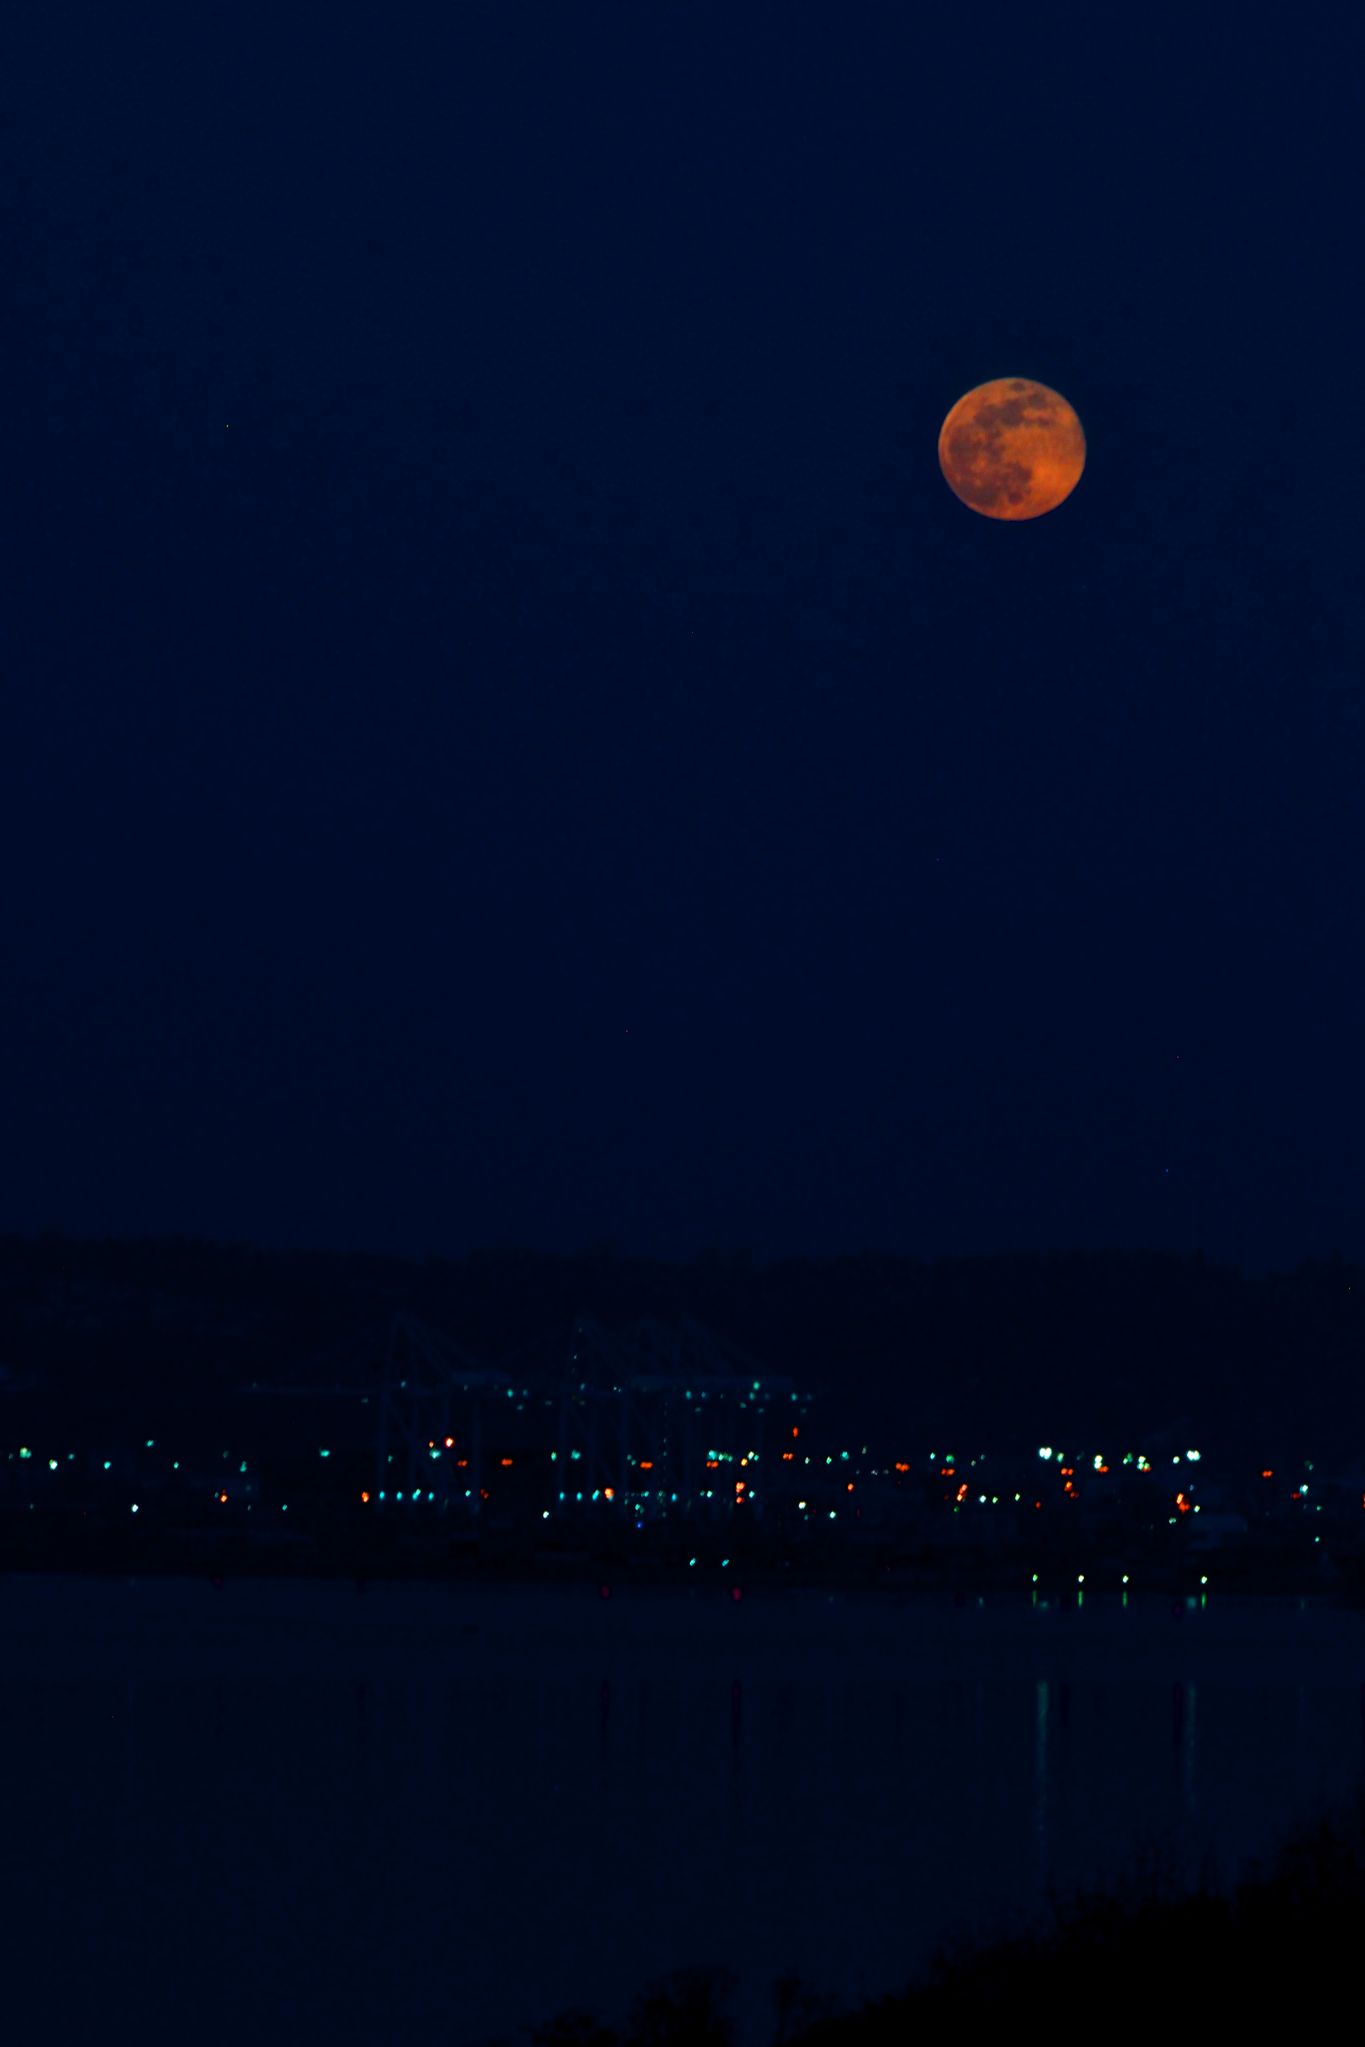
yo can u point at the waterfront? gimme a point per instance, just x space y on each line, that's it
299 1806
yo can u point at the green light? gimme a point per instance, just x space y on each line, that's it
106 1464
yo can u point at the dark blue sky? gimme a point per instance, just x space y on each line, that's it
504 732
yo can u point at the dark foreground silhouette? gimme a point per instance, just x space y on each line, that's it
1279 1947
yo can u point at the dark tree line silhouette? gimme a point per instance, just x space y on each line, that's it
1269 1954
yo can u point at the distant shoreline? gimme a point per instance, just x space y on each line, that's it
213 1554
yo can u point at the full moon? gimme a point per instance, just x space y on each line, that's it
1011 449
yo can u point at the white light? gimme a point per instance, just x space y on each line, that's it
1192 1456
1045 1452
135 1506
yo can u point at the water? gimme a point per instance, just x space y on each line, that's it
298 1811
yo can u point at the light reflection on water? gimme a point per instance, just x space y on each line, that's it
285 1806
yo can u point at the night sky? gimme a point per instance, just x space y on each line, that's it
506 735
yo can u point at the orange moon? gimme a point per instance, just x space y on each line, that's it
1011 449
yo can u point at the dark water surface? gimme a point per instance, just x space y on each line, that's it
298 1811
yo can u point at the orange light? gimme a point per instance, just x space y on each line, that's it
961 1492
787 1456
505 1462
1182 1504
450 1442
1067 1470
461 1463
364 1499
609 1492
1101 1467
1267 1474
222 1496
902 1467
646 1464
712 1463
795 1434
483 1492
849 1487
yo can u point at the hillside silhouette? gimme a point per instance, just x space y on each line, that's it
994 1349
